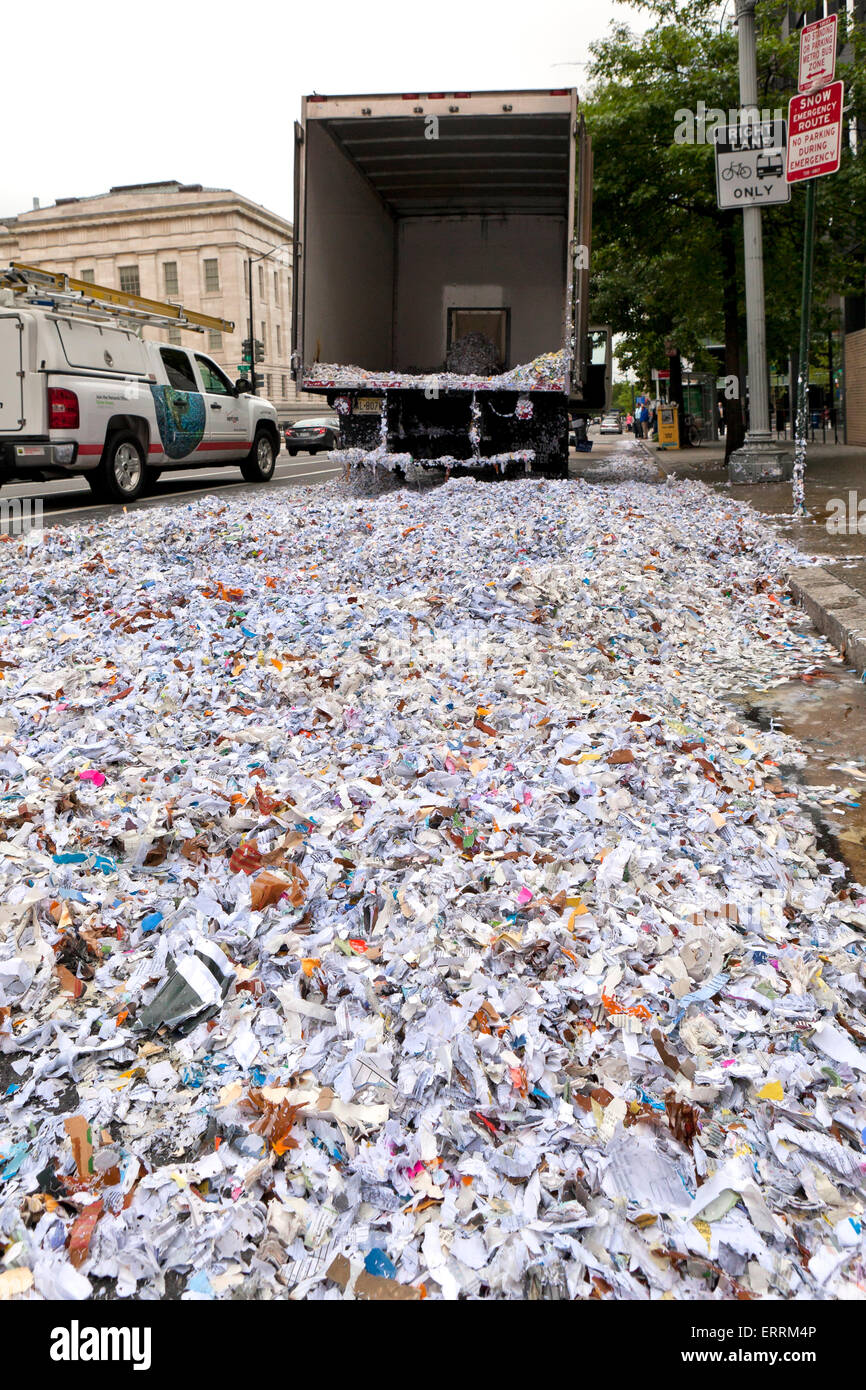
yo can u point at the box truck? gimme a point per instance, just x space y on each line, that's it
441 251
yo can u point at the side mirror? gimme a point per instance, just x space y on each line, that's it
242 385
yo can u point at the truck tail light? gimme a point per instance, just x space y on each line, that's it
62 409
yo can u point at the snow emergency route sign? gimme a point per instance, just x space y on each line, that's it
815 133
750 164
817 54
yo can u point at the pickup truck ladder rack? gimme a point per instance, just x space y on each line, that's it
52 289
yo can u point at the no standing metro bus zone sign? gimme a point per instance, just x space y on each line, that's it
815 133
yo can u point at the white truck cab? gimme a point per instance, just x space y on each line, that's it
81 392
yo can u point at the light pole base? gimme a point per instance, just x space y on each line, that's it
761 461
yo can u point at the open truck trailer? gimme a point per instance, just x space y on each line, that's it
441 249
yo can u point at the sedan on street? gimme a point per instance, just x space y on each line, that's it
611 424
313 435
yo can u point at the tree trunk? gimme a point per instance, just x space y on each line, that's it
675 390
735 430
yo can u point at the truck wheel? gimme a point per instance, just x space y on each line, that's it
120 475
260 462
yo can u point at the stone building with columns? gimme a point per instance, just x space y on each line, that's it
180 242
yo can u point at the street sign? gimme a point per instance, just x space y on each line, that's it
661 373
815 123
750 164
817 54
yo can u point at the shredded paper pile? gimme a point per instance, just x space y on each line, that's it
394 908
544 373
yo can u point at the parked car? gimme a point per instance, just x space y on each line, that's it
312 436
611 423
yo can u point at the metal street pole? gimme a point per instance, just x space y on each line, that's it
805 324
252 333
251 260
756 335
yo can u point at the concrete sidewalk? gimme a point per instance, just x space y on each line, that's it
833 595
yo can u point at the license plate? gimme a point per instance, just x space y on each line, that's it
368 405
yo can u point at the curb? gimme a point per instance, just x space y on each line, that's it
837 611
643 448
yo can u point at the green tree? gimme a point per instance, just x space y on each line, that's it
667 263
622 396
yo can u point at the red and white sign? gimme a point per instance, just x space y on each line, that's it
662 374
817 54
815 133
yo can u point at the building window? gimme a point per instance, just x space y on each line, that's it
276 286
174 336
268 391
284 392
169 277
279 342
264 337
214 340
129 282
211 277
89 275
261 282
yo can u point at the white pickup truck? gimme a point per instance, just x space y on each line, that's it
92 397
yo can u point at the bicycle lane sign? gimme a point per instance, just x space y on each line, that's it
751 164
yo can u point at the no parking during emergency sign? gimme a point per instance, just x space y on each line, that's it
815 133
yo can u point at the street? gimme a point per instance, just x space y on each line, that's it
70 499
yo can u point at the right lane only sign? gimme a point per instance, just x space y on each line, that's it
750 165
815 133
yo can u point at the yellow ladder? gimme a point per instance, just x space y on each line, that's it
22 279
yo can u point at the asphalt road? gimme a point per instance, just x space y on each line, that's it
70 499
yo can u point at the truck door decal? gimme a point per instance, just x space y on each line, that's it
180 419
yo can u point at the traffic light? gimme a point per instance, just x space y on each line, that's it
247 349
260 350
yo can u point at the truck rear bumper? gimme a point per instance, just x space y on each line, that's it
25 455
375 458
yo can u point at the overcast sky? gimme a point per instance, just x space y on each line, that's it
95 93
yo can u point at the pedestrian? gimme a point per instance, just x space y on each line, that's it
642 420
721 410
629 421
653 421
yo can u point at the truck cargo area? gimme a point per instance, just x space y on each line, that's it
432 220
